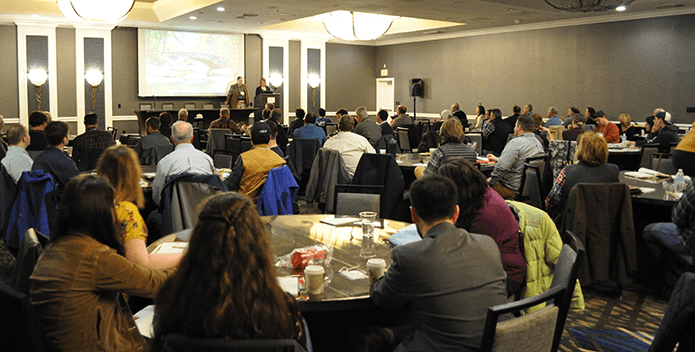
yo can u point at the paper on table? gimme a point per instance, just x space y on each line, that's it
171 247
420 164
144 321
482 159
405 235
342 221
289 284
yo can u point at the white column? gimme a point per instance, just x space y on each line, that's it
36 29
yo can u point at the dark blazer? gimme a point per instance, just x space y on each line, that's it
38 140
498 139
450 278
462 117
385 128
57 163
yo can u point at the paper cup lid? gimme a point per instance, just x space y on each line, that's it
376 261
313 269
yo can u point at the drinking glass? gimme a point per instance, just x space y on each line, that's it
368 245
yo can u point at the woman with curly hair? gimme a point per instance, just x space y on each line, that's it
226 286
483 211
120 165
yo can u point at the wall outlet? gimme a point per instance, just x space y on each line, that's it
398 103
119 106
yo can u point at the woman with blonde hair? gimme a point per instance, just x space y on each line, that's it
626 128
120 165
592 167
226 287
452 146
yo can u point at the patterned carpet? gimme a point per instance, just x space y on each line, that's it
614 324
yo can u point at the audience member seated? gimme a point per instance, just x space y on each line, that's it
684 155
310 130
448 279
165 121
87 147
609 131
592 153
381 118
273 143
53 159
627 131
663 133
37 124
495 133
119 165
402 119
226 287
297 123
575 128
183 115
483 211
509 168
17 160
225 122
571 112
79 279
511 120
322 120
542 133
452 146
153 139
350 145
276 115
481 115
366 127
459 114
3 145
252 167
589 113
553 119
184 158
677 237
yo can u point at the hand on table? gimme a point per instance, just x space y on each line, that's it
492 157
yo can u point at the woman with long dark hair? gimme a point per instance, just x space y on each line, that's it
120 165
226 286
78 280
483 211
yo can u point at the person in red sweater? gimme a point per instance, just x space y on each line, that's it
609 130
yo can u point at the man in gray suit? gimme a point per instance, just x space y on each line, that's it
450 277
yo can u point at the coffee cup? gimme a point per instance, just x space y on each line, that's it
313 279
376 268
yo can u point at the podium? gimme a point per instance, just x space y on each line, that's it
259 102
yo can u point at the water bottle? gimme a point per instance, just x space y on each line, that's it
393 147
679 182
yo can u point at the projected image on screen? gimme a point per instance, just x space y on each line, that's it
173 63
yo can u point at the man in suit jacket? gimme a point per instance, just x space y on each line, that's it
154 138
450 277
456 111
381 118
237 96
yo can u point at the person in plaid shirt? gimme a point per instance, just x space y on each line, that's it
676 237
87 147
225 122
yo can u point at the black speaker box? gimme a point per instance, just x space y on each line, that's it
417 87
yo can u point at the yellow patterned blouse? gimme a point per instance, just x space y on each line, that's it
132 225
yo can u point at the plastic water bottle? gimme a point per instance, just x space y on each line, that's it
392 147
679 182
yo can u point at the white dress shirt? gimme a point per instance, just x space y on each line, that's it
351 146
184 158
16 161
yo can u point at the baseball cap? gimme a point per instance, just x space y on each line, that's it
259 129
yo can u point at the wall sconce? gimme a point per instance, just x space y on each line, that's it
94 79
38 77
314 81
276 80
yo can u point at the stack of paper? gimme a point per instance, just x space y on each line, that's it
645 173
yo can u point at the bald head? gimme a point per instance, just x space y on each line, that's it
18 136
182 132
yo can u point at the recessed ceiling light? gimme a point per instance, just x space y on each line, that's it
220 9
35 16
620 8
193 18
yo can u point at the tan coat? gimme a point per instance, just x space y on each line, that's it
76 290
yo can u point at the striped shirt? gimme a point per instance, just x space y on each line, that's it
448 150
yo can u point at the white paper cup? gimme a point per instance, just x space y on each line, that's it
313 279
376 268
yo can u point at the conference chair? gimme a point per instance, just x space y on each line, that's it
180 199
208 106
216 140
20 327
183 343
331 128
404 140
531 187
353 199
326 171
530 332
246 144
647 150
382 170
167 106
189 106
565 275
556 131
477 140
30 249
302 152
145 106
278 193
600 215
